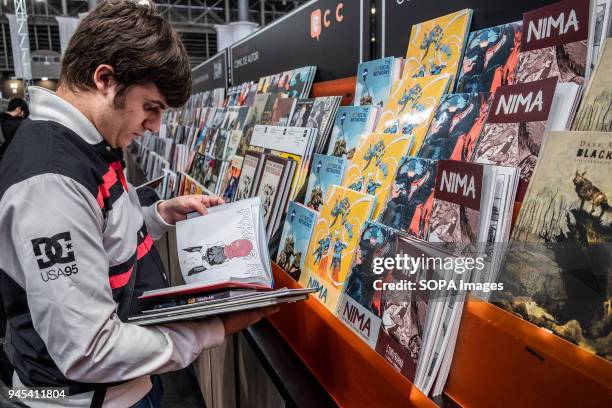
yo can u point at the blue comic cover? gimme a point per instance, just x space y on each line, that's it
410 201
374 81
455 127
352 124
299 224
325 171
490 59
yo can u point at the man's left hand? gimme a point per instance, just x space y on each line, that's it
176 209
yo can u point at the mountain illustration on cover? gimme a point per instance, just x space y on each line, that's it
410 203
455 128
351 126
490 58
295 238
374 81
558 269
436 46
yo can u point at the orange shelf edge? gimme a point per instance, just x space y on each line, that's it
350 371
502 359
344 87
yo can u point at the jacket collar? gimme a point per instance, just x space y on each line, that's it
46 105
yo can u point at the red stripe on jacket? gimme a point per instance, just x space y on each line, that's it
142 250
114 173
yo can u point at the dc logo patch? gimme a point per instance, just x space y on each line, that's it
54 250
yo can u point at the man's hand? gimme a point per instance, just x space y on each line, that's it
234 322
176 209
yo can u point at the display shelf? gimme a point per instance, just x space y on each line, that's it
344 87
499 359
351 372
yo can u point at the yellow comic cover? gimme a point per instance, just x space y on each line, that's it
334 240
436 46
411 106
372 168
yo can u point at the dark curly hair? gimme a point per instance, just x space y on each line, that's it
137 42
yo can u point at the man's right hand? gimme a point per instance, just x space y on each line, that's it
234 322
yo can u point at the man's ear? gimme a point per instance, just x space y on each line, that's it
104 78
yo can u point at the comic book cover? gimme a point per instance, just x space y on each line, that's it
324 172
247 175
436 46
360 306
490 58
282 88
299 224
238 124
300 81
455 216
269 183
226 245
322 115
595 111
455 127
232 144
333 243
351 127
268 110
555 50
558 269
411 106
373 167
282 110
515 126
301 112
374 81
410 199
403 313
231 177
198 167
252 118
213 175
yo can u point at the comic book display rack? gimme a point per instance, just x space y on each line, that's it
498 356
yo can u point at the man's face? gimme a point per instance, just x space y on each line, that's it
141 111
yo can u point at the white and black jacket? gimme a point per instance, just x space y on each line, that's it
72 232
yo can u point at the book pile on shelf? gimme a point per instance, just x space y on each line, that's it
429 163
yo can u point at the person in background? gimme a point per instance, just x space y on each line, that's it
16 112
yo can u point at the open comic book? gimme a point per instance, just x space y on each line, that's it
224 249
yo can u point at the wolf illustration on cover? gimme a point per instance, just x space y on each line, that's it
455 127
409 207
490 59
558 270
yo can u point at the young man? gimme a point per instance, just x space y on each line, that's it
10 120
74 242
